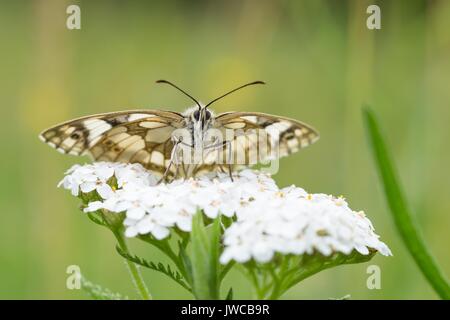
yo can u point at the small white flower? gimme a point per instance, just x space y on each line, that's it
88 178
144 226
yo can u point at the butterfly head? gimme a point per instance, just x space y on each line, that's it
201 117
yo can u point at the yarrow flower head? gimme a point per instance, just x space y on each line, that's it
267 220
290 221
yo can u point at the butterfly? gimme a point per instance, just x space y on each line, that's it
188 144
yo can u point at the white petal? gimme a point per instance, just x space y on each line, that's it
160 232
105 191
104 172
93 206
88 187
262 253
75 189
131 232
135 213
362 249
185 224
211 212
145 226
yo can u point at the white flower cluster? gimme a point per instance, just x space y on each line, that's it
292 221
269 219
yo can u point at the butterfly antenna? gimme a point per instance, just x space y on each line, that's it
170 83
238 88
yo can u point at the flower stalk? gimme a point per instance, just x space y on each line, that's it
133 269
114 222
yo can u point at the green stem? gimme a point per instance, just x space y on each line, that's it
250 272
398 205
277 286
279 279
133 268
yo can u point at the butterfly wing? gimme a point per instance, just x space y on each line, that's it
290 134
138 136
257 137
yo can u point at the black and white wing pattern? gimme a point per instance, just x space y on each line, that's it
137 136
257 137
292 135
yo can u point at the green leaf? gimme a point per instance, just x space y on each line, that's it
96 218
167 270
99 293
204 258
214 255
400 210
186 262
314 263
229 294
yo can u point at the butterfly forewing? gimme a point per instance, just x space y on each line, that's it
139 136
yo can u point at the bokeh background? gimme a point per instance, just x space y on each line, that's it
321 64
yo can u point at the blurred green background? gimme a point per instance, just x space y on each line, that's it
321 64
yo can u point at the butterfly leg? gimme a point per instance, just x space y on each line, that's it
177 141
228 143
230 172
177 166
173 155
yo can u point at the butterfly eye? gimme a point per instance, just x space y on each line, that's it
208 115
197 115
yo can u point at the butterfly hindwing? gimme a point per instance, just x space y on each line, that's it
282 136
